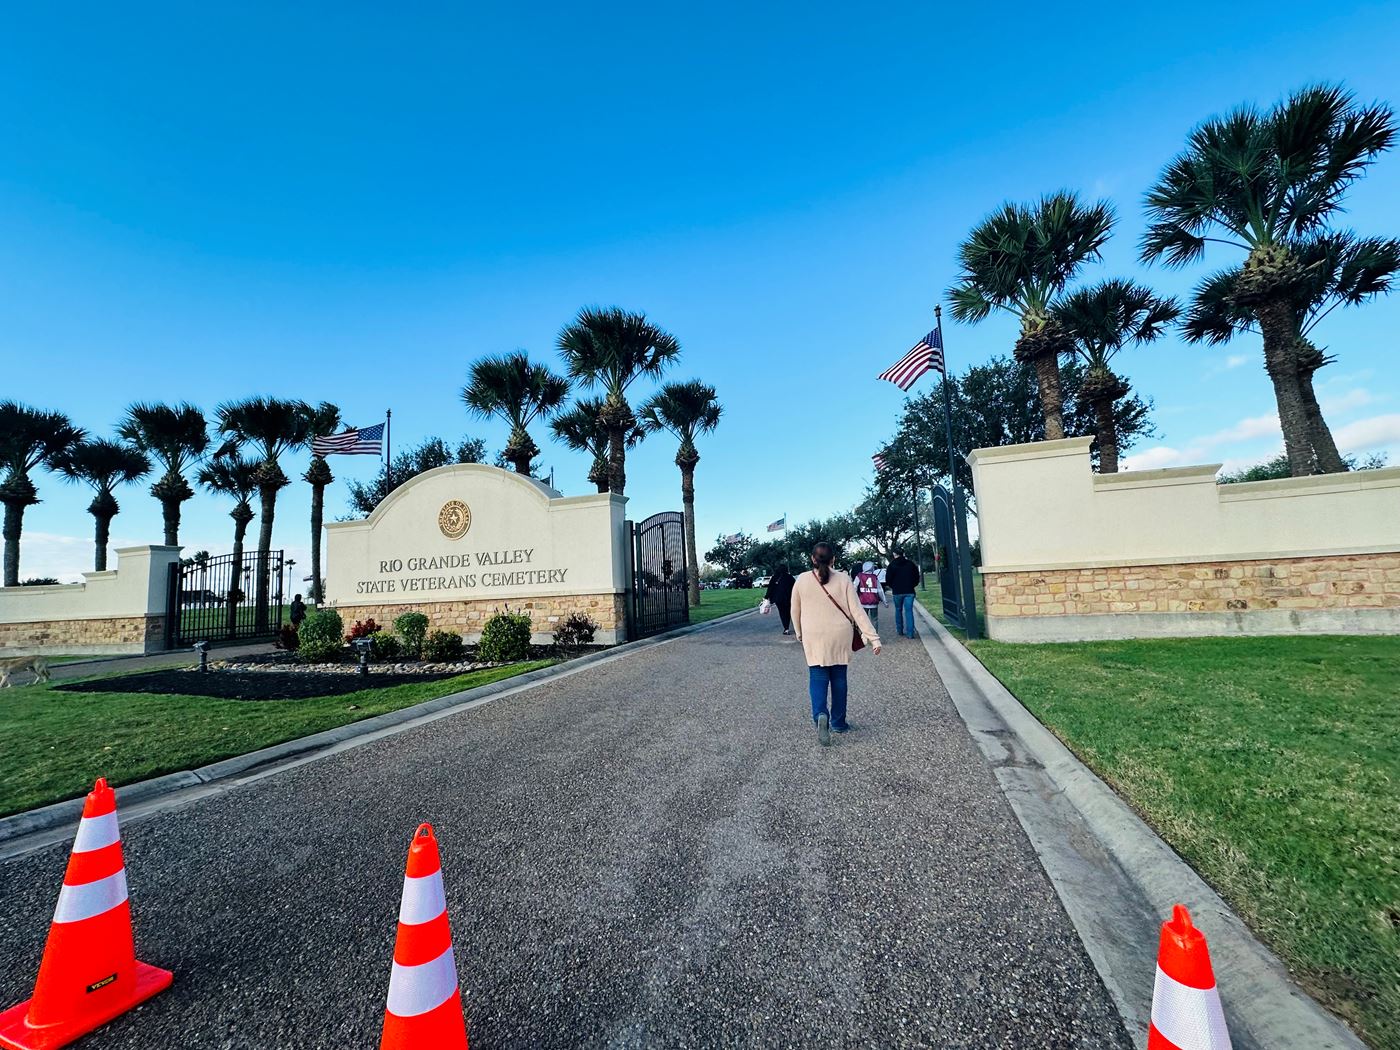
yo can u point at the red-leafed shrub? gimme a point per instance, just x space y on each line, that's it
363 629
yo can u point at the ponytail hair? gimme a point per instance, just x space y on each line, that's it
822 557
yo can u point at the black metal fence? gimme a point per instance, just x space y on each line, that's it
225 599
659 598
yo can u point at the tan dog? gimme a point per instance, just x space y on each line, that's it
37 664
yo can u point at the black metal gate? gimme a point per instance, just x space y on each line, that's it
947 545
220 600
659 584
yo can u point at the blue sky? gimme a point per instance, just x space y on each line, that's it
351 203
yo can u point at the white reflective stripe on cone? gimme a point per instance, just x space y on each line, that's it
415 990
76 903
423 899
96 832
1188 1017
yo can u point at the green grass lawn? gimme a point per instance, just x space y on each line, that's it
930 596
1271 765
714 604
55 744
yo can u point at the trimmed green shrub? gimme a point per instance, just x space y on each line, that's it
578 629
322 636
505 638
412 628
442 646
386 646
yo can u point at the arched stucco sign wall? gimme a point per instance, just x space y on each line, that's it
462 542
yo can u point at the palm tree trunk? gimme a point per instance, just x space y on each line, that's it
1329 459
1279 328
102 534
170 512
1047 380
268 498
598 473
617 460
14 524
235 590
692 562
1107 434
318 501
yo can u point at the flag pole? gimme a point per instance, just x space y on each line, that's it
918 545
969 600
388 451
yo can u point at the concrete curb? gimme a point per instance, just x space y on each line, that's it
1107 865
35 828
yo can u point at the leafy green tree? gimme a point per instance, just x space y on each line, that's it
1262 182
730 554
1277 468
1339 269
1020 259
1101 320
176 437
885 520
29 438
270 427
610 348
513 389
580 427
996 404
102 464
233 476
429 455
324 419
686 410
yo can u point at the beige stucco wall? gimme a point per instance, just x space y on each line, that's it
526 543
109 612
1050 527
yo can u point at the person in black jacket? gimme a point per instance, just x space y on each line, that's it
780 594
903 578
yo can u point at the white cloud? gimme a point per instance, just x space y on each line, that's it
1244 430
1236 360
1367 434
1354 398
1156 458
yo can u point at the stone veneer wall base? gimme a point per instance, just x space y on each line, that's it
609 611
104 636
1089 628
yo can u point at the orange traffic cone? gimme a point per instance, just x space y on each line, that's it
425 1004
1186 1012
89 973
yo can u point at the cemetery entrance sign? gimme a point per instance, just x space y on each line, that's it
463 542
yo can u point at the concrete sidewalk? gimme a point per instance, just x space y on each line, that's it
94 665
651 852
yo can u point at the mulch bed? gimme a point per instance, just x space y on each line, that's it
246 685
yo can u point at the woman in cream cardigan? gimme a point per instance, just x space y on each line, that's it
825 608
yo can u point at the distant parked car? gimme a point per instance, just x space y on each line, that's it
198 597
763 581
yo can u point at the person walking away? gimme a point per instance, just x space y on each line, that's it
869 592
780 594
298 611
826 614
903 577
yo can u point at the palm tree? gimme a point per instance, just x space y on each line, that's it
29 438
608 347
325 418
1102 320
232 475
104 464
176 437
519 392
686 410
1262 182
1340 269
271 426
1019 259
581 428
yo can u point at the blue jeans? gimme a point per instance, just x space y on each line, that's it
819 679
904 610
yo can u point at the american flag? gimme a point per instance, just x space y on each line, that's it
778 525
879 460
734 537
367 441
927 354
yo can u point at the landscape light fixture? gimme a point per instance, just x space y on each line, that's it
202 648
363 647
